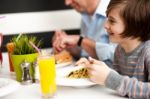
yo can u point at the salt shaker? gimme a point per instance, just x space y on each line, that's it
36 72
26 77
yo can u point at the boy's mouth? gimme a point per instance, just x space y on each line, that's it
110 33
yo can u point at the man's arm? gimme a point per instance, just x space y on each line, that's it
70 42
89 46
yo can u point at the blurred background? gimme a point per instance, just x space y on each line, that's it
38 18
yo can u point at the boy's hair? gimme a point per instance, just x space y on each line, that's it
136 16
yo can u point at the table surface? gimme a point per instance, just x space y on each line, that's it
33 91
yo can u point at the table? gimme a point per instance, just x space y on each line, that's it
33 91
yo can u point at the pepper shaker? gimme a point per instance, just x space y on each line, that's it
26 77
36 72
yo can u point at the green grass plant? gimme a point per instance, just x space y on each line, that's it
22 45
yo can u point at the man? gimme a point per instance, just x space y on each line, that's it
93 38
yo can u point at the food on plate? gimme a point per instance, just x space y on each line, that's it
63 57
80 73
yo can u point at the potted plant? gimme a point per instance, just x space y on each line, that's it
24 51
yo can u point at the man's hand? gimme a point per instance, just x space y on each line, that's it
62 41
57 39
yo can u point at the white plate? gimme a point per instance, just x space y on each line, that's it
63 64
63 81
8 86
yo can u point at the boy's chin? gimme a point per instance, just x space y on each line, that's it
113 40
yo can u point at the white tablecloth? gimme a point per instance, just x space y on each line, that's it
33 91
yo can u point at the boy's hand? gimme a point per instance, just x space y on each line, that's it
82 61
98 71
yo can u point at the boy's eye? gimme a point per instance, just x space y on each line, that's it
111 21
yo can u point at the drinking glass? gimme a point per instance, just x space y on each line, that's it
47 75
10 49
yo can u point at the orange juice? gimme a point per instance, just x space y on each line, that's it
47 74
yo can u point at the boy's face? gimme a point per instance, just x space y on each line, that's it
115 26
79 5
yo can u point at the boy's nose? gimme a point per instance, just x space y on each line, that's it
106 25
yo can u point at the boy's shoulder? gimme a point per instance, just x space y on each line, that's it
147 45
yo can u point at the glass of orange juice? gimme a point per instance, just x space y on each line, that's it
47 75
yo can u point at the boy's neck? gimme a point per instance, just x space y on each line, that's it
130 45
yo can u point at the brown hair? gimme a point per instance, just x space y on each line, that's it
136 16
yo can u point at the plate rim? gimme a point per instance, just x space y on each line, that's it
67 82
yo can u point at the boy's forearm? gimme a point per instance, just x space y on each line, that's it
128 86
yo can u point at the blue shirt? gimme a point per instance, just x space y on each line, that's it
93 28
